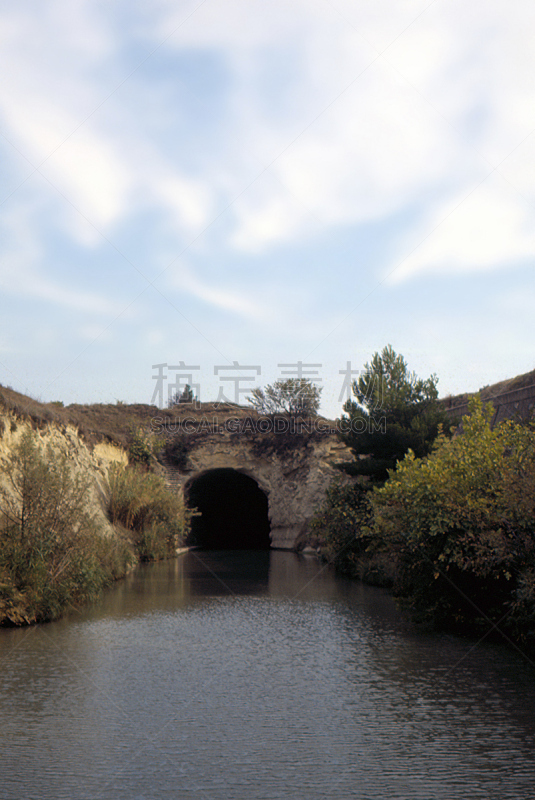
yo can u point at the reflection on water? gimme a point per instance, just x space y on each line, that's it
258 675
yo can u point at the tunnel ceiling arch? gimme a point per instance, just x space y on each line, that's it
233 511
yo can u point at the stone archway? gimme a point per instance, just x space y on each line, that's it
293 479
234 511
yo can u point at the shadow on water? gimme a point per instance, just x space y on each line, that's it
203 574
200 575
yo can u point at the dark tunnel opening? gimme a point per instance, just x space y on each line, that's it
234 512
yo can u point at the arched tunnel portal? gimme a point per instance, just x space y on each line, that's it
234 511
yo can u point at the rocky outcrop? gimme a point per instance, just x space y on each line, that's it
66 440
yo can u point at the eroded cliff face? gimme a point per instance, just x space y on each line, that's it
294 477
94 462
294 480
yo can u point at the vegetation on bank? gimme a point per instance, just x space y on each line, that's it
113 423
155 519
460 526
452 531
54 552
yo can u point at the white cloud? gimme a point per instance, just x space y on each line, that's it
452 95
185 280
99 163
188 202
21 273
348 136
476 229
49 88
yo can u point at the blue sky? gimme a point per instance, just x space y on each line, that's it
266 183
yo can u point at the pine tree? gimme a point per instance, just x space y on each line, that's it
393 411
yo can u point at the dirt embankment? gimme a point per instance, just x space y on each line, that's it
512 399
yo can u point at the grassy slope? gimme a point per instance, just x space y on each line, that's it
102 422
489 392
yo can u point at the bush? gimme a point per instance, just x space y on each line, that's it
461 524
177 449
52 552
140 448
341 529
293 396
141 503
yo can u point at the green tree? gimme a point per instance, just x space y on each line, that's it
461 525
393 411
340 527
294 396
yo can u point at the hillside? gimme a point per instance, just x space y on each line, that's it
105 422
513 398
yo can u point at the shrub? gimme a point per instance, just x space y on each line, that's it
52 552
177 449
462 525
140 447
341 529
293 396
156 517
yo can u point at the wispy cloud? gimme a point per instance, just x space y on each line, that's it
214 293
23 274
370 122
485 228
347 134
239 138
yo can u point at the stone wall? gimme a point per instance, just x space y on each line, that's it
294 481
517 404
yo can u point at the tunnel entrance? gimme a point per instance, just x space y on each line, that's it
234 511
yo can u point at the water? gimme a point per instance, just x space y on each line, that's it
223 676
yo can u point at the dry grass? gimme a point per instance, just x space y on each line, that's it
106 422
155 516
120 423
53 552
489 392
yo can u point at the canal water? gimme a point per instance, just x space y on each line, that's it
258 675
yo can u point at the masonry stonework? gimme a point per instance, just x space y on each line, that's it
294 481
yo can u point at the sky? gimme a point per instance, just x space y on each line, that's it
236 185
